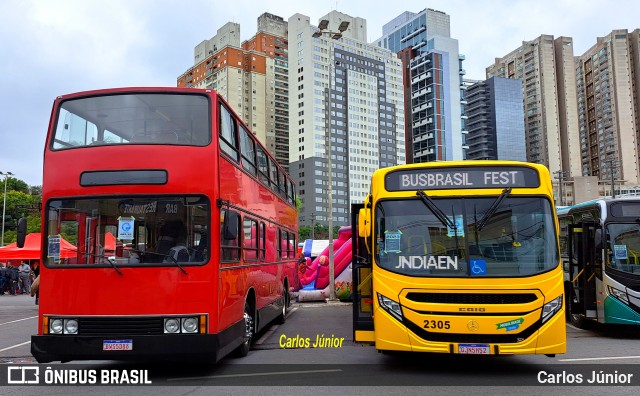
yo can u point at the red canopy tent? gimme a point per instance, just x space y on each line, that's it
32 248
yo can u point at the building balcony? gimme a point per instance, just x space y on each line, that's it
423 137
420 77
424 106
422 122
423 91
413 34
420 61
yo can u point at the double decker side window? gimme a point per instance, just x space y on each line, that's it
228 133
247 146
262 244
230 236
263 166
250 246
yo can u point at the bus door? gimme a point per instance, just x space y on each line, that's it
362 294
583 269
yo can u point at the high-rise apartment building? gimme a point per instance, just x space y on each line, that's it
435 123
252 76
547 71
608 76
496 120
346 99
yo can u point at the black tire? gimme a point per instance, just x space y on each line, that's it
243 349
285 306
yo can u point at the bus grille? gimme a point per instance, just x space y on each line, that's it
471 298
473 338
108 326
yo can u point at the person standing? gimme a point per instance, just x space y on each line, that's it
35 285
4 277
24 272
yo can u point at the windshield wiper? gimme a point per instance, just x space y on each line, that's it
436 211
175 262
110 261
492 209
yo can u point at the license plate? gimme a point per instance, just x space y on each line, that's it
474 349
117 345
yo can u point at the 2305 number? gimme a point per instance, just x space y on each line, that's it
437 324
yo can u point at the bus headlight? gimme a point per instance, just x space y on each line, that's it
390 306
55 326
70 326
172 325
619 294
189 325
549 309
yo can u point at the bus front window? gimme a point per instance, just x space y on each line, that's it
128 231
624 247
141 118
462 237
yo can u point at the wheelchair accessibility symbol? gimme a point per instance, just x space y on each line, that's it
478 267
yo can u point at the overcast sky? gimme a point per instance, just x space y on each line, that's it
49 48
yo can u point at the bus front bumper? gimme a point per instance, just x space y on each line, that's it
197 347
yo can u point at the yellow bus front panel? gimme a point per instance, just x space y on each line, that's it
420 325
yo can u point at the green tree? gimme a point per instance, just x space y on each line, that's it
304 233
19 199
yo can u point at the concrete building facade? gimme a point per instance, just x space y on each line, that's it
608 89
252 76
546 68
435 124
346 99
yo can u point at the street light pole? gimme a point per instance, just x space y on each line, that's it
4 204
323 29
560 175
612 169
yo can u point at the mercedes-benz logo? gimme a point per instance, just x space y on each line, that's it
473 325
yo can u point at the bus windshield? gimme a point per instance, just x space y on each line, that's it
624 247
128 231
138 118
516 237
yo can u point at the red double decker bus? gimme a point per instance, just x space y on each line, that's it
185 229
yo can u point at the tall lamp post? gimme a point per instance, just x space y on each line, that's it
4 205
323 30
560 175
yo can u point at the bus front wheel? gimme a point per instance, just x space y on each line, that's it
243 349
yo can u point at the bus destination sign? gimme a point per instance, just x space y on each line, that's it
461 178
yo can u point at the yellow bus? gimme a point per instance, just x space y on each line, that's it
459 257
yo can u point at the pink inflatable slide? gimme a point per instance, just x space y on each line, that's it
314 275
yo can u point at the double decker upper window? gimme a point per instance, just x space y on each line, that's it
133 118
228 133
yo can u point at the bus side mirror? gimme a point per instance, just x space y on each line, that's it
364 223
597 239
230 226
22 231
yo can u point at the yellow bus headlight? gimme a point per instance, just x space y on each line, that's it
549 309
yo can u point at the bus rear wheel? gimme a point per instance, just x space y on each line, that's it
243 349
286 301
